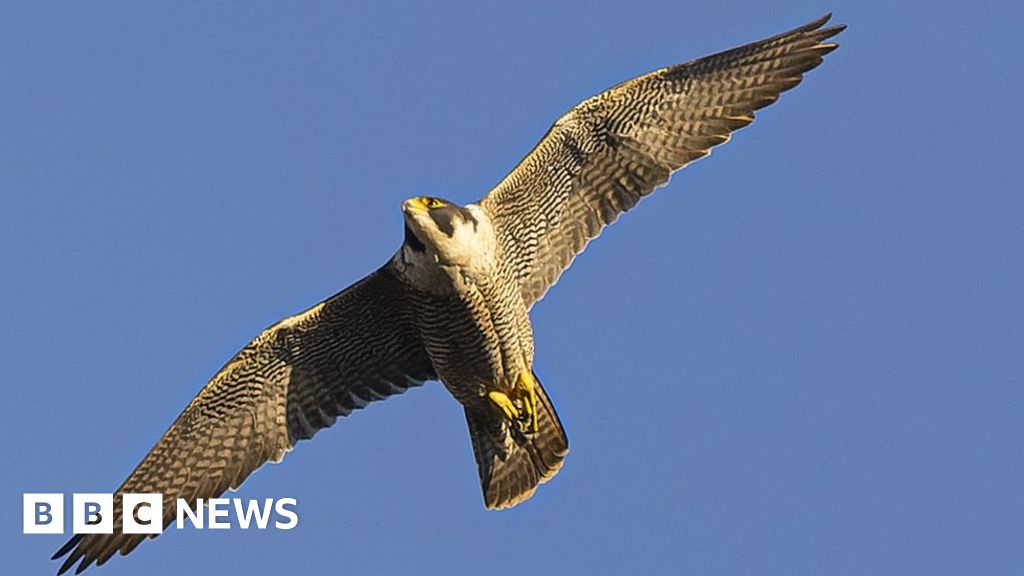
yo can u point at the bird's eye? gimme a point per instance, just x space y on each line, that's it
431 202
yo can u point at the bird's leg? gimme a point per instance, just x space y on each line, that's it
503 402
520 404
525 391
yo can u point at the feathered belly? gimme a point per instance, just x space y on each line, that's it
477 340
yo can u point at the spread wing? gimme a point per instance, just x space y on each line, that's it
295 378
599 159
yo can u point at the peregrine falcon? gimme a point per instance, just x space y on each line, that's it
453 302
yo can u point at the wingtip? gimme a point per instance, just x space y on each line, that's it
819 34
831 31
75 556
816 26
812 30
67 565
67 547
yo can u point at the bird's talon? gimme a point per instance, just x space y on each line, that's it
520 404
526 388
502 401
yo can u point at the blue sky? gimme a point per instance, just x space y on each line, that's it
804 356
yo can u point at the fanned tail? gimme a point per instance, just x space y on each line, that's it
513 464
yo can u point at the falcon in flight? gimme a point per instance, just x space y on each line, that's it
453 302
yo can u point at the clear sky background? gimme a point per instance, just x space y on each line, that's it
804 356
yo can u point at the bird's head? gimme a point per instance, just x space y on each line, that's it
444 232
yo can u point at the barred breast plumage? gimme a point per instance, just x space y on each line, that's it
469 309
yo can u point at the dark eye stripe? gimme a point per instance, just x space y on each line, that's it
445 217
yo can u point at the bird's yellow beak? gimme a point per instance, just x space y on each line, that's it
421 204
413 205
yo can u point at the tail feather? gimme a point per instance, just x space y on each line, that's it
513 464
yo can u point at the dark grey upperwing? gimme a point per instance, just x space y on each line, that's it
599 159
293 379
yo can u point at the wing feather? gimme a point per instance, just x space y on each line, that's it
603 156
292 380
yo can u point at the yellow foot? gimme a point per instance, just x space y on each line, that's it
502 401
526 389
520 404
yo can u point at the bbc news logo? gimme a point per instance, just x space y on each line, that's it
144 513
